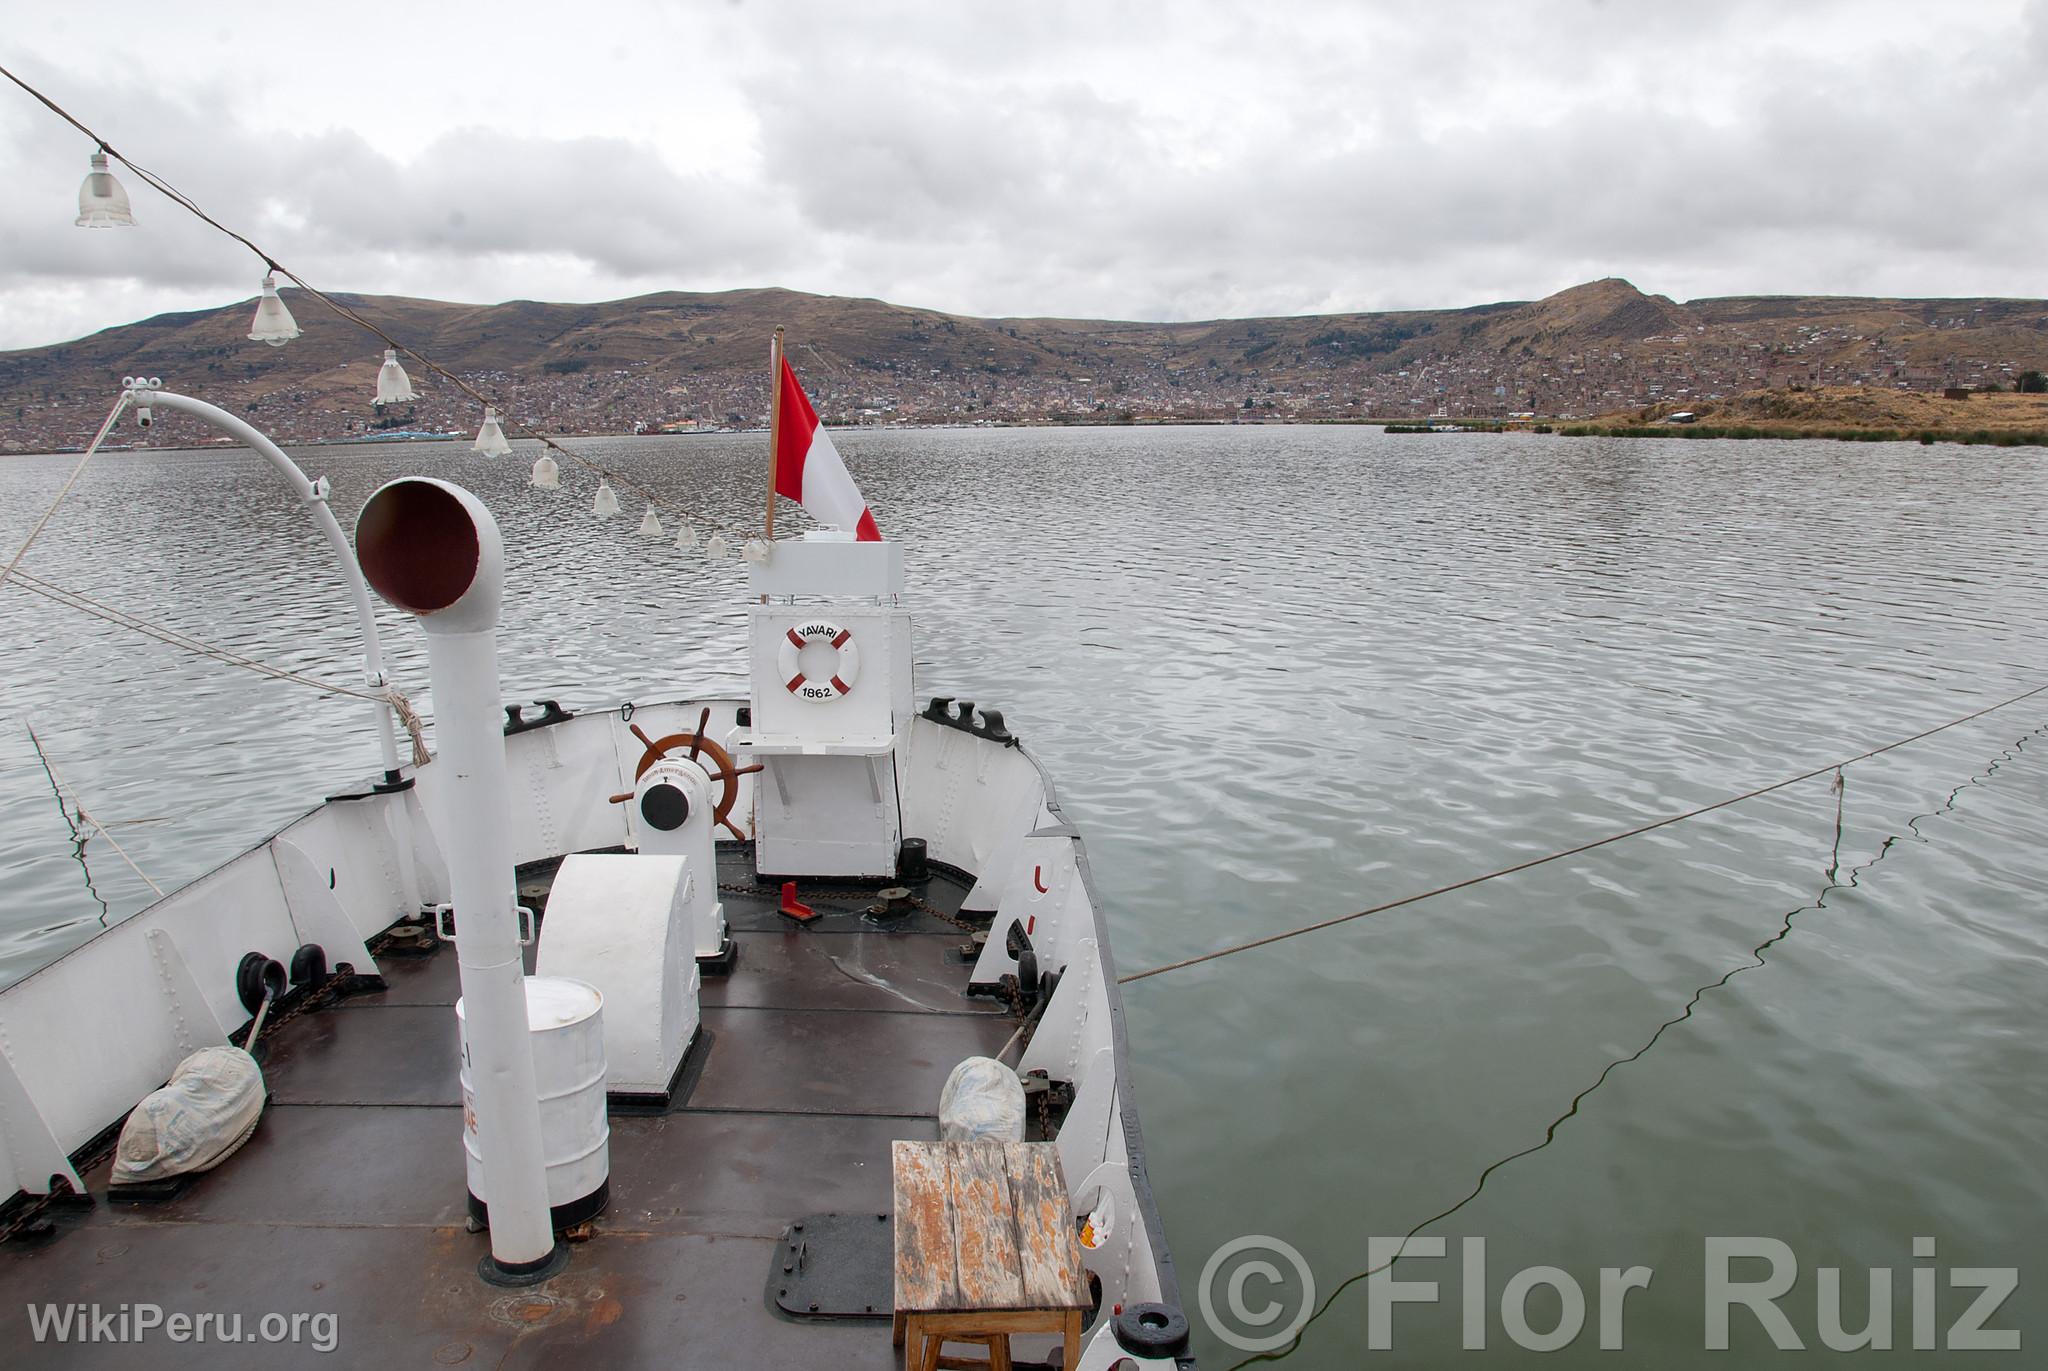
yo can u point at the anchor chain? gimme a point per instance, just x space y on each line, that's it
917 902
1012 996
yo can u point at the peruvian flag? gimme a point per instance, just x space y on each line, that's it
808 468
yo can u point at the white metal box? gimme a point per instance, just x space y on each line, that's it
831 673
827 816
803 700
826 562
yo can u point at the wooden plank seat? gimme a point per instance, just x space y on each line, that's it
985 1248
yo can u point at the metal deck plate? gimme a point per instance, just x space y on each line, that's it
803 968
349 1198
748 1174
838 1061
836 1266
395 1054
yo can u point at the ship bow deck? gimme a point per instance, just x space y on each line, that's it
824 1044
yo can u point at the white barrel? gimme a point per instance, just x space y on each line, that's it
565 1019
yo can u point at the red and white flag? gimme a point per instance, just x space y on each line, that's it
808 468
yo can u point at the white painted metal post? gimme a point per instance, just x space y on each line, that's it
432 548
694 840
314 494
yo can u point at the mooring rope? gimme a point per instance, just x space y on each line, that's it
270 263
1637 831
414 728
71 826
57 784
85 604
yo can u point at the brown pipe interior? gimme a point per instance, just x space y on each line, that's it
417 546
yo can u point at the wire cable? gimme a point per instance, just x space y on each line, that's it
1534 862
94 446
391 695
1834 881
78 836
506 415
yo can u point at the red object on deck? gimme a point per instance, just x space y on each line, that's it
793 907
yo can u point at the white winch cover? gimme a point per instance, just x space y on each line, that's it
982 1099
208 1109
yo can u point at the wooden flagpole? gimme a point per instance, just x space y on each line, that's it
774 426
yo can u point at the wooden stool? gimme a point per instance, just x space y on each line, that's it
985 1248
927 1347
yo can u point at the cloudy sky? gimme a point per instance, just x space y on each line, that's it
1131 160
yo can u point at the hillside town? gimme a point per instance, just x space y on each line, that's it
1243 372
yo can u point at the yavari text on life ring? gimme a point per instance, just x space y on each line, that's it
845 669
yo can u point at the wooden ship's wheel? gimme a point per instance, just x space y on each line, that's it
708 754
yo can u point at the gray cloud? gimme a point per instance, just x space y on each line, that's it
1152 160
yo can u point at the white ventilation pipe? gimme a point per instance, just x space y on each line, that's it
432 549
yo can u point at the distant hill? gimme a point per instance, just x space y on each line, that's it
675 357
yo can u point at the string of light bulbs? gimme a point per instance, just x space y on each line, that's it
103 203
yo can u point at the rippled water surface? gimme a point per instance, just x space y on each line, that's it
1280 674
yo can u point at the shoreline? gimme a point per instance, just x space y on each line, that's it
1979 437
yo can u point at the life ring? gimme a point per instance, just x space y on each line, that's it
844 673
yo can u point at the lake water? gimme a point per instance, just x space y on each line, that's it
1280 674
